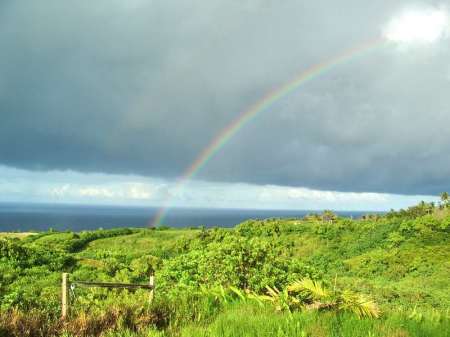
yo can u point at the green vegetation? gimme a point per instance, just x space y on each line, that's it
318 276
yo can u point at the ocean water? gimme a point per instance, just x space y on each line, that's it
40 217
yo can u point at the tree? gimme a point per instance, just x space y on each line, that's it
328 216
444 198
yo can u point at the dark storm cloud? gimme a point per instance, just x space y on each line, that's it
141 87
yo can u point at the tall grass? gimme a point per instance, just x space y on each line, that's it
205 317
253 321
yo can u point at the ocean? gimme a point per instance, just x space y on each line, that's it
41 217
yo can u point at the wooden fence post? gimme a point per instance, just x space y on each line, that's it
65 295
152 289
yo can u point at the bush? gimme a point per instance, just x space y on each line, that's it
246 263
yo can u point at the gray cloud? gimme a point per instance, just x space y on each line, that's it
141 87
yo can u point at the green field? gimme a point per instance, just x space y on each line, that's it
317 276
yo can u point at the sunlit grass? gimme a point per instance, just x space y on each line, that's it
133 245
251 321
19 235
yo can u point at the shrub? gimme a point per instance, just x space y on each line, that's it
235 260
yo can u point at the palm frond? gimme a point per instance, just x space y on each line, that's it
223 294
311 295
362 305
258 298
313 288
274 292
238 292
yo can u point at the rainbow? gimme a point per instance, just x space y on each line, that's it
254 110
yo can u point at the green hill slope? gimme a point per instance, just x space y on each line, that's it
209 281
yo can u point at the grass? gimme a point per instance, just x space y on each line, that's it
138 244
252 321
18 235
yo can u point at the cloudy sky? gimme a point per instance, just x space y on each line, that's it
111 101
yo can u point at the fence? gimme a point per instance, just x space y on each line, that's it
66 284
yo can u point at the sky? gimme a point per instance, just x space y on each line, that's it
111 101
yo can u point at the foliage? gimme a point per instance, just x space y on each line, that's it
234 260
312 295
225 282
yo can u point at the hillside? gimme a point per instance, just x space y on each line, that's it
235 282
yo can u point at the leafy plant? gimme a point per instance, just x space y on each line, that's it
312 295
